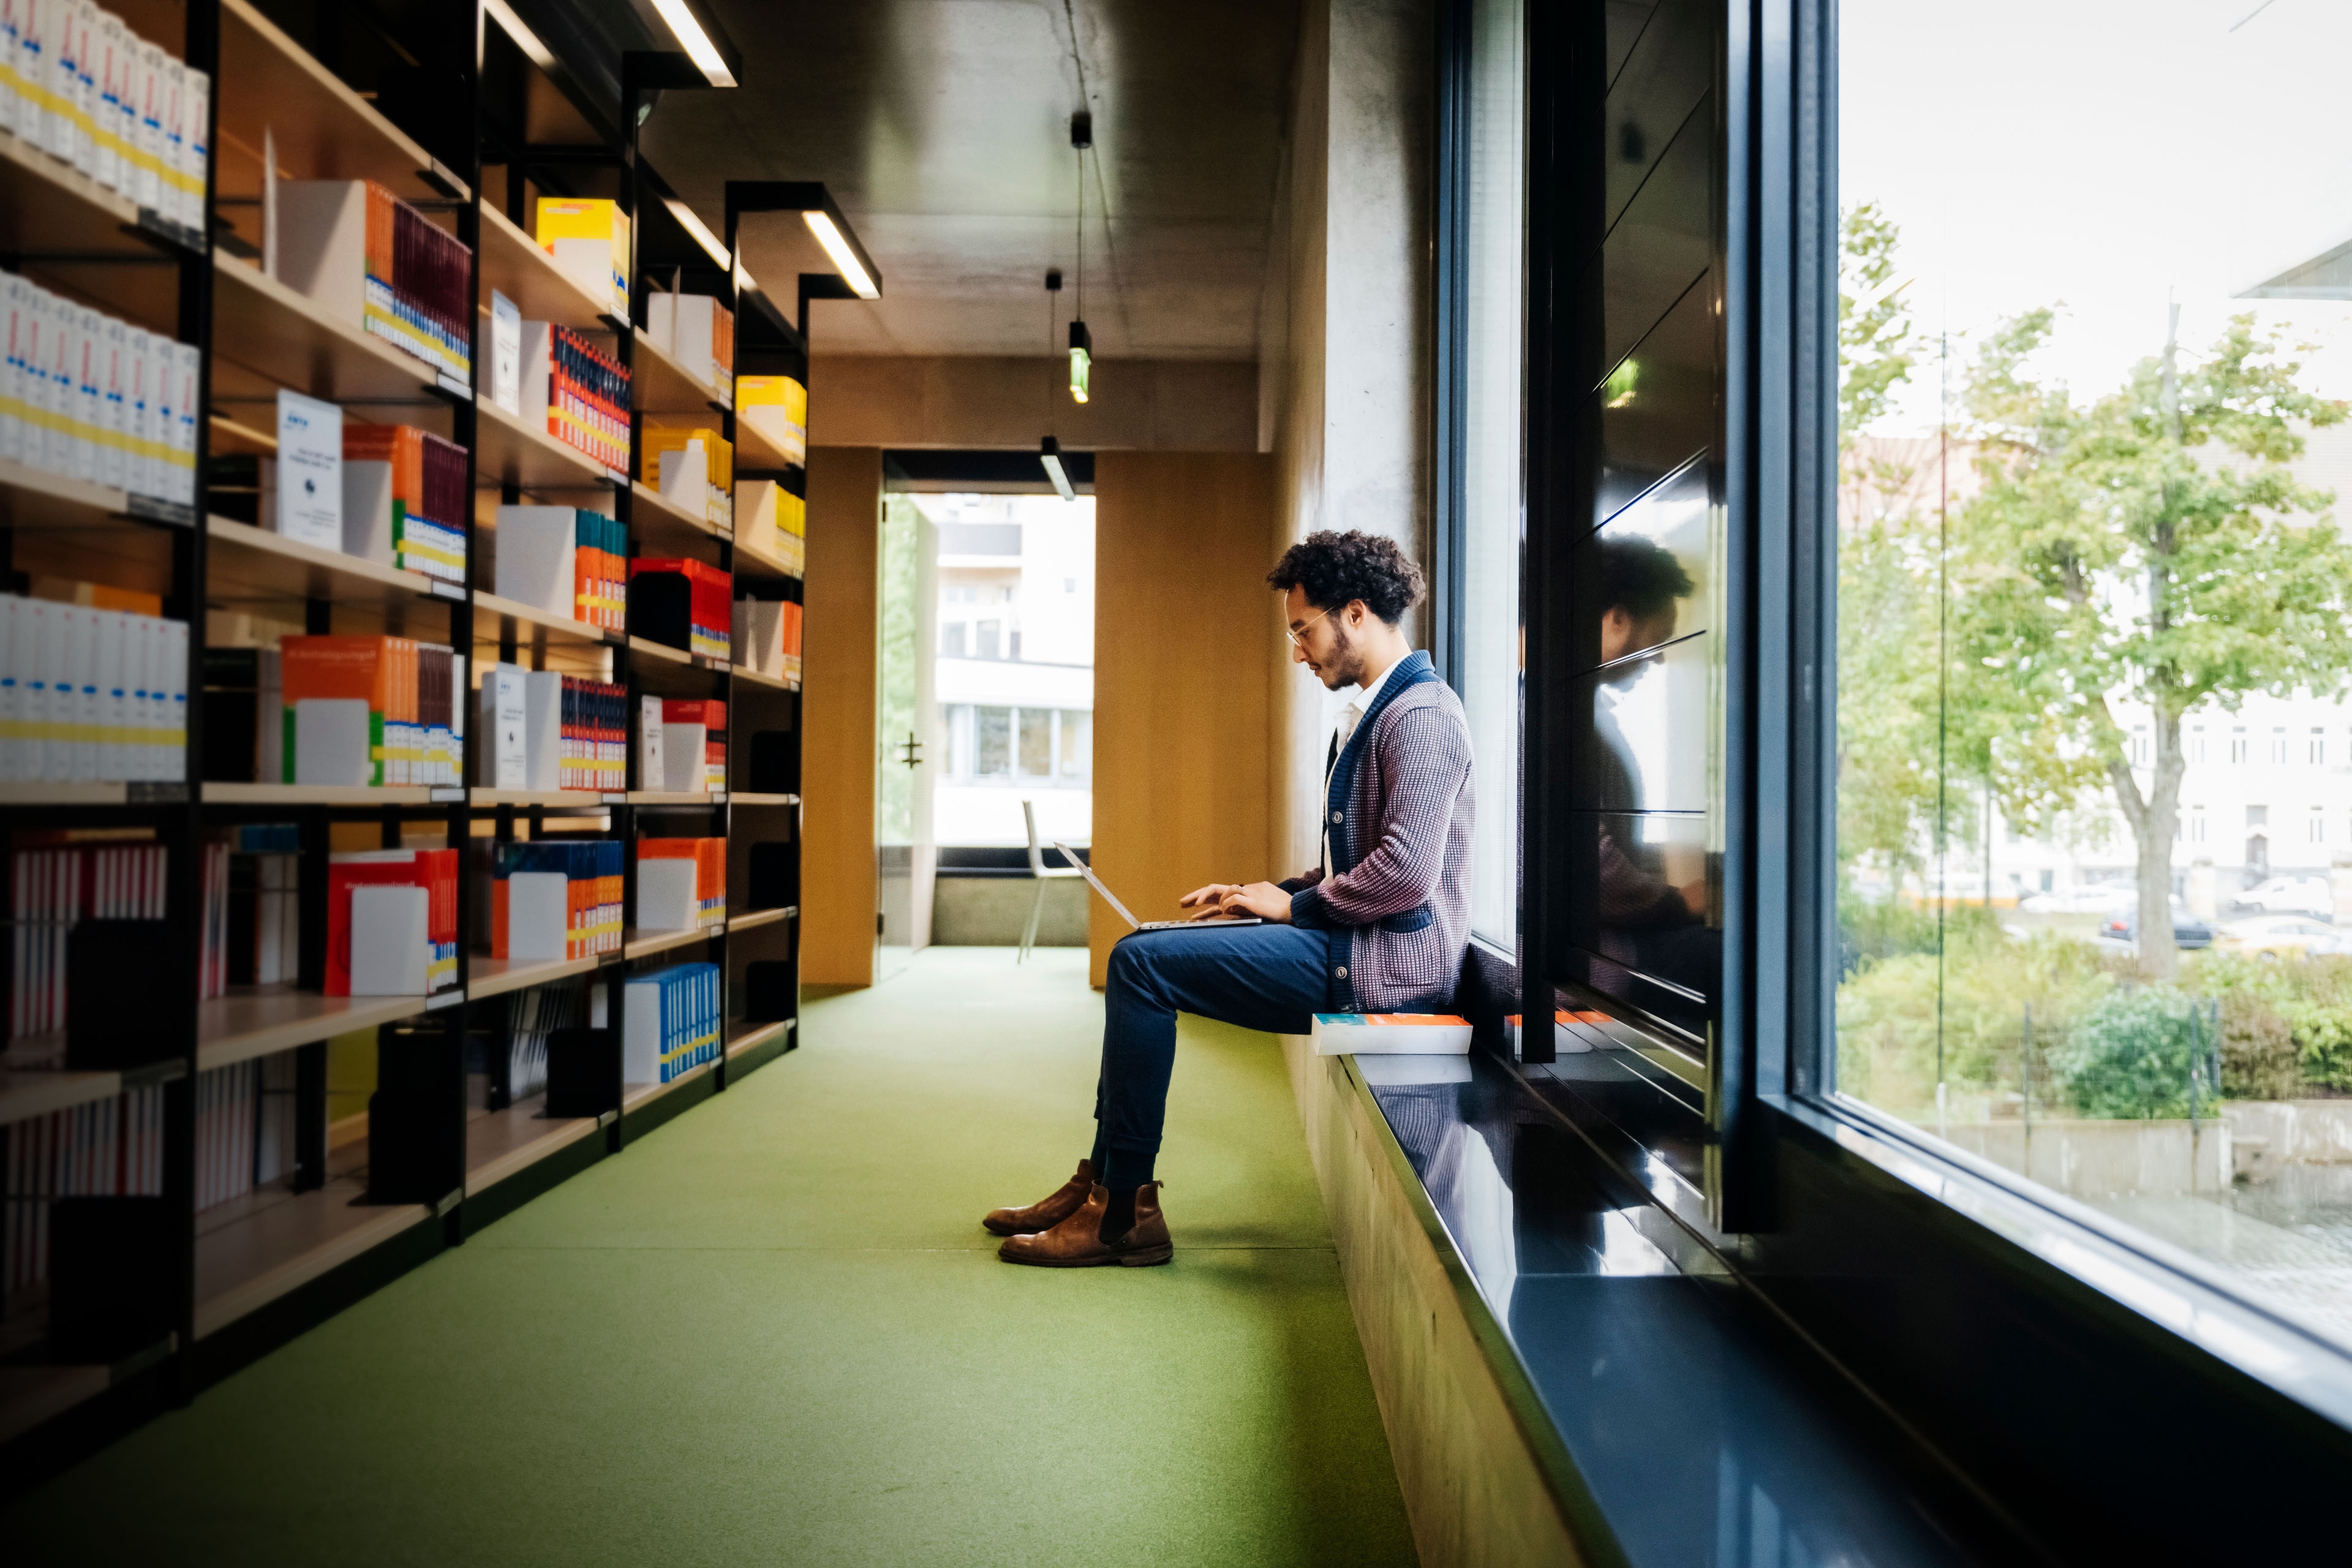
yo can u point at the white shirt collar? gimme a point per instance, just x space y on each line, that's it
1370 691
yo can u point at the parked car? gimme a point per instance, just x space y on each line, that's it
2281 936
2188 931
2291 895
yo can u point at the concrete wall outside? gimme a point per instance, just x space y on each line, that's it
990 911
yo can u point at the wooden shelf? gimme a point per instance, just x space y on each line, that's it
757 918
634 1095
324 131
659 384
505 1142
754 1036
286 340
760 677
250 565
497 976
572 799
688 798
63 227
644 944
509 450
237 794
755 453
32 1394
516 266
275 1242
762 560
656 522
547 626
660 651
64 793
28 1092
257 1020
33 498
745 797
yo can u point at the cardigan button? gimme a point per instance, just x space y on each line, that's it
1341 971
1336 817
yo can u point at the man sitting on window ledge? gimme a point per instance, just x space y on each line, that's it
1380 925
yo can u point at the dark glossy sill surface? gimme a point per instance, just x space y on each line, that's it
1705 1432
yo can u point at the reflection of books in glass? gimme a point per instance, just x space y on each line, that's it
1390 1034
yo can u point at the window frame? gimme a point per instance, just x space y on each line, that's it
1826 1209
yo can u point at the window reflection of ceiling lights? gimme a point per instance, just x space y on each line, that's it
1049 452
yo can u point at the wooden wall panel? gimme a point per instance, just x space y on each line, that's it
840 655
1181 678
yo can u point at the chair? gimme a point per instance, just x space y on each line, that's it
1044 873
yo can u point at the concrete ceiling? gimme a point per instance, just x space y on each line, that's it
941 128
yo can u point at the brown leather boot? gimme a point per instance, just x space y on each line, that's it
1077 1242
1046 1212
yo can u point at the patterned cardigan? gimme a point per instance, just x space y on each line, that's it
1401 806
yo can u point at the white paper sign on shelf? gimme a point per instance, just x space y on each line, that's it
309 471
506 353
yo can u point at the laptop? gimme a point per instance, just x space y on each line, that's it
1112 899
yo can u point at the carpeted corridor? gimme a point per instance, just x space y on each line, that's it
774 1332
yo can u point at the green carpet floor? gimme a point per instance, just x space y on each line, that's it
773 1332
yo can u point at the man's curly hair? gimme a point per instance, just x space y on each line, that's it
1334 568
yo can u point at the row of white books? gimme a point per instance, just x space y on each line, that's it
87 396
78 83
108 1148
245 1127
89 695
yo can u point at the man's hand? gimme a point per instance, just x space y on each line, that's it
1209 900
1262 900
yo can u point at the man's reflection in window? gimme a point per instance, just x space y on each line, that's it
1645 920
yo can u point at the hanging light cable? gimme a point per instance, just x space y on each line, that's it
1082 343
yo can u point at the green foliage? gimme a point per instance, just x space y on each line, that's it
2128 1059
2144 548
1875 350
1894 1013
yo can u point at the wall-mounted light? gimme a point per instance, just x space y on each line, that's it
1082 359
696 230
519 31
1049 452
844 259
695 42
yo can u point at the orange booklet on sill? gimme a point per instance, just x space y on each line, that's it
1390 1034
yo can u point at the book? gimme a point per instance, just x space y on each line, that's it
777 407
309 471
410 953
682 603
669 1021
506 353
694 469
1402 1034
589 239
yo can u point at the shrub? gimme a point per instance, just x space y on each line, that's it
2128 1057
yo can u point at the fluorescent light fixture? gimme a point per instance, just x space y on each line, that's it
698 228
1049 452
695 42
525 40
845 260
1082 359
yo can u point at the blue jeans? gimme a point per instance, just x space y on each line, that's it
1268 977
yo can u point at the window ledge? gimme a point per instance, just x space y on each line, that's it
2169 1287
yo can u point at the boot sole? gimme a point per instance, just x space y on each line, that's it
1144 1259
1031 1228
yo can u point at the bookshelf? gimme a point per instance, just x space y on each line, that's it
359 1133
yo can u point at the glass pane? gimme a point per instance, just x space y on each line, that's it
987 636
1036 742
1492 654
994 741
952 638
1078 743
2095 902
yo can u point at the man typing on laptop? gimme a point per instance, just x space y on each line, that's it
1379 925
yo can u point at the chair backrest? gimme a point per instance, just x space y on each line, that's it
1036 850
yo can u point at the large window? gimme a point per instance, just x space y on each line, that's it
1014 676
1494 184
2091 328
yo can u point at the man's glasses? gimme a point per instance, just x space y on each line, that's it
1293 636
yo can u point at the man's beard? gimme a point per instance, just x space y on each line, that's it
1345 664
